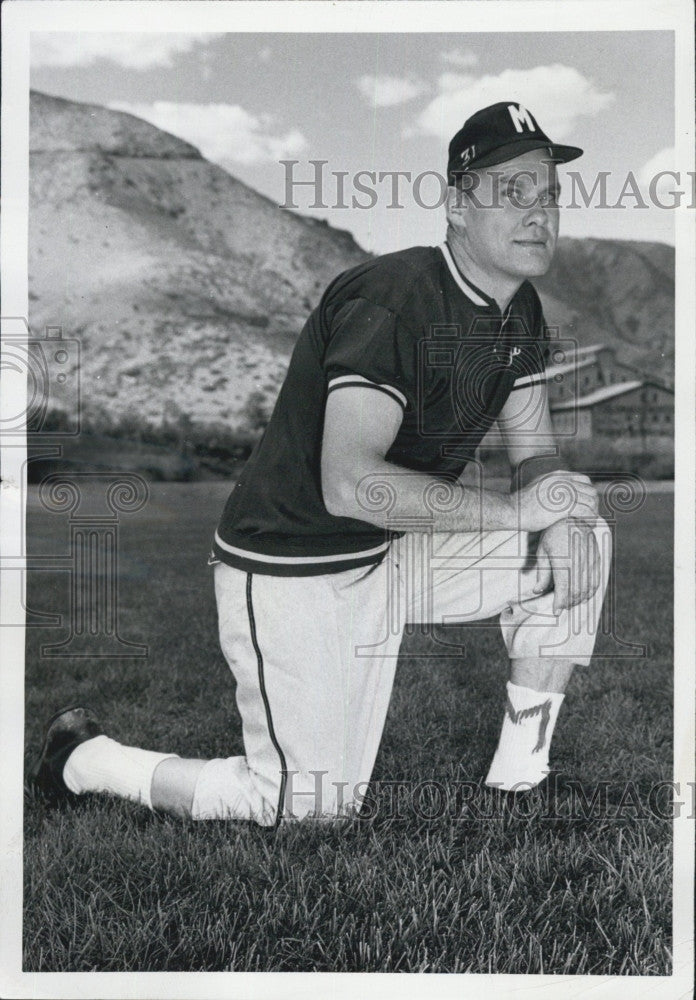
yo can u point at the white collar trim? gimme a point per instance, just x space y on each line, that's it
454 271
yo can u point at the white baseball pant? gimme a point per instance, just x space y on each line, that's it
314 660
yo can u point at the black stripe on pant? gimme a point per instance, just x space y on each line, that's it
266 703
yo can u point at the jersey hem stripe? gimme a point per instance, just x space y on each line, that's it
299 560
251 562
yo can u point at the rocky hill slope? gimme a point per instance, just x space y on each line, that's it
615 292
187 289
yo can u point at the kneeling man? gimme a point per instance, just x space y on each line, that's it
352 518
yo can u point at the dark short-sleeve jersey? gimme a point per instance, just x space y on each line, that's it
407 324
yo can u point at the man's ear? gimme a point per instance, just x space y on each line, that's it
455 207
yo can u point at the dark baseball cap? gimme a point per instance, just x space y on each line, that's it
500 133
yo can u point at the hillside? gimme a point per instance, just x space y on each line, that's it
187 289
615 292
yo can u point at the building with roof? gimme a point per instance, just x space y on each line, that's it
594 396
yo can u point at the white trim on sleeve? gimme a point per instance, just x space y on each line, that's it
533 379
348 380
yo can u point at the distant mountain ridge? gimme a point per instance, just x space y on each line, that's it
187 289
620 293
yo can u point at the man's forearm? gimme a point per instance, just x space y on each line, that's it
390 496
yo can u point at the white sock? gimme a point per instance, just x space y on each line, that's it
522 756
103 765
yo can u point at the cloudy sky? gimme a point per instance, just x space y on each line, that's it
386 102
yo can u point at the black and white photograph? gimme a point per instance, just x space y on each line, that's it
347 466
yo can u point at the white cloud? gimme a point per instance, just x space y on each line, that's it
664 160
464 58
387 91
222 132
447 82
556 95
132 50
662 190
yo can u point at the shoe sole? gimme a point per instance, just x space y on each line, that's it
36 766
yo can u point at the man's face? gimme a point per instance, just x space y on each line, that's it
510 217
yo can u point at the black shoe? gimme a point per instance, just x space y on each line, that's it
63 732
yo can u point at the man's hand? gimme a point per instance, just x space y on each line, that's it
568 560
553 496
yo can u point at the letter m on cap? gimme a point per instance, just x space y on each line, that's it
521 118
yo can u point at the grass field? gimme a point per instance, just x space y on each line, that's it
549 887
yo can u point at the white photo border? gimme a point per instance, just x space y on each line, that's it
426 16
